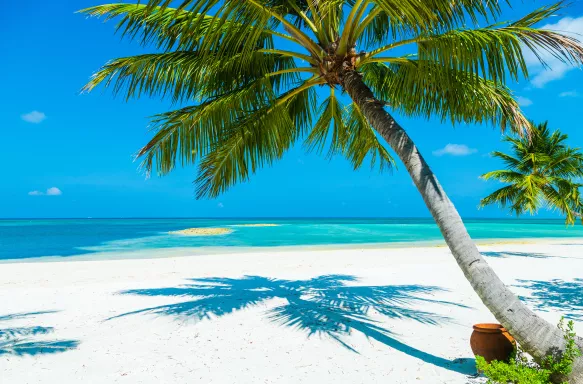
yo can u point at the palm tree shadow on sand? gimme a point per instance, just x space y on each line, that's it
28 341
323 305
531 255
555 295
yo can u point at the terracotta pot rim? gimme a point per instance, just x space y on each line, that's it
489 328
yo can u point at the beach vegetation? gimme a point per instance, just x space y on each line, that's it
542 171
522 369
252 78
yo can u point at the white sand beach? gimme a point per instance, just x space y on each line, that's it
294 316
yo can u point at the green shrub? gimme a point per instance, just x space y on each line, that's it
523 370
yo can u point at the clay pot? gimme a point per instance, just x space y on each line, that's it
492 342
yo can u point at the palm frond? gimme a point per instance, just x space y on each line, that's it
362 142
429 89
497 51
253 141
189 133
560 202
565 163
170 28
390 20
328 128
504 176
256 141
247 20
504 196
510 161
189 75
345 131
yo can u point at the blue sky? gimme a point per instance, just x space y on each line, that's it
71 155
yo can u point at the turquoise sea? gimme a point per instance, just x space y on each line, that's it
119 238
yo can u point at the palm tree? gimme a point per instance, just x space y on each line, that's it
245 72
542 171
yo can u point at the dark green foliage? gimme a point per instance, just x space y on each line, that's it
523 370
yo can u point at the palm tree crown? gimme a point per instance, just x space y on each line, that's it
245 74
542 171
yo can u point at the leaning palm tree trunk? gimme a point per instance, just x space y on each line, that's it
535 335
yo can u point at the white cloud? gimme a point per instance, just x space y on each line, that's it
556 72
220 205
523 101
53 191
556 69
455 150
569 94
34 117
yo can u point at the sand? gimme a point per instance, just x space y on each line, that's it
294 316
202 231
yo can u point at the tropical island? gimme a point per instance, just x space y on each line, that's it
202 231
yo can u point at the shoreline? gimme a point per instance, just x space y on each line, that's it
164 253
348 315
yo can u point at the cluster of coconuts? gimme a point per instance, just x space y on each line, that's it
332 64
